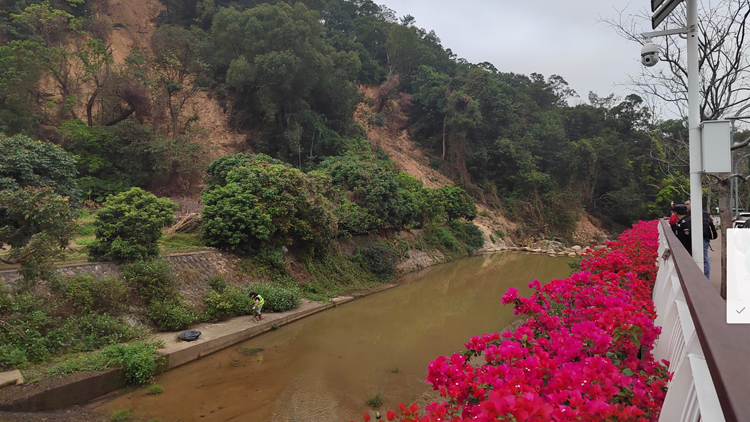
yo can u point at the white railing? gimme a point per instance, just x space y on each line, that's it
691 395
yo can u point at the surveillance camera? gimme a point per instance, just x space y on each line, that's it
649 54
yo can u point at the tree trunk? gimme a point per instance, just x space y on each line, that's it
90 107
445 120
726 221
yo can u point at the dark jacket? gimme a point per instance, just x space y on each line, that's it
709 230
682 231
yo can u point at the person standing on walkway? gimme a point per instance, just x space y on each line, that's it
709 233
257 305
682 228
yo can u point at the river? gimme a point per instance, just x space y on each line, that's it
324 367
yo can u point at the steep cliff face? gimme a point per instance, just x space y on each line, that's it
131 24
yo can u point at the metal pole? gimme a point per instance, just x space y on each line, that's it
694 121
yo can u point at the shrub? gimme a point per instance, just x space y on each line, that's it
121 416
380 259
153 280
154 390
226 303
11 356
36 223
93 331
129 225
263 204
371 197
446 238
28 163
170 315
469 234
452 202
278 299
139 360
86 294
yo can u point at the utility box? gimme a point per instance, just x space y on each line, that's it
716 143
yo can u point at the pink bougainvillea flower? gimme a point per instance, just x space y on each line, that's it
583 354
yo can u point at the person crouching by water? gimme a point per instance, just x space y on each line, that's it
258 302
682 227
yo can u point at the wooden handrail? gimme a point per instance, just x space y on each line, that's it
726 347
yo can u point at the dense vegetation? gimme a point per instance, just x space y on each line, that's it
288 73
79 127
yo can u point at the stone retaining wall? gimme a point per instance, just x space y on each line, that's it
194 270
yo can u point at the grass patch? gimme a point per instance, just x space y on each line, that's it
154 390
137 359
180 242
396 370
123 415
250 351
376 400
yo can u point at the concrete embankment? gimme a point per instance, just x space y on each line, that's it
81 387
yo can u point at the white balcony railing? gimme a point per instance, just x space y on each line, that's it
691 395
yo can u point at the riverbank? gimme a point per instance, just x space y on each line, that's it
81 387
57 393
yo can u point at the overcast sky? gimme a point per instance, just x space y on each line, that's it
562 37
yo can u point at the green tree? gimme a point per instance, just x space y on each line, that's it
37 224
180 71
129 225
452 202
285 77
26 162
264 204
20 111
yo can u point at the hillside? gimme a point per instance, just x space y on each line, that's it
147 93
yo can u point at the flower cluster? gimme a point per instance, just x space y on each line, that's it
582 355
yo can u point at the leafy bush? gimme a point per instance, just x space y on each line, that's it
129 225
370 195
380 259
86 293
226 303
28 163
139 359
263 204
278 299
452 202
12 356
153 280
170 315
468 233
36 223
442 236
91 332
154 390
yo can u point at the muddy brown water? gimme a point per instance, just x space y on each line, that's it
324 367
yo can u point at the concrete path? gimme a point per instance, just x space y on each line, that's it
220 335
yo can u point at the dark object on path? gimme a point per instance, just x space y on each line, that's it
189 335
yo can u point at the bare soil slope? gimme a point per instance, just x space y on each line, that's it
394 138
131 23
